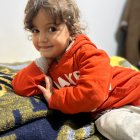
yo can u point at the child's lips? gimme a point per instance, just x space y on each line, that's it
45 47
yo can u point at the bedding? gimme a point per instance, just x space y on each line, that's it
26 118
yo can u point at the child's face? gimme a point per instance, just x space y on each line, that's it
49 39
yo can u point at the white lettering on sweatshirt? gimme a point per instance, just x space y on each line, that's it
69 81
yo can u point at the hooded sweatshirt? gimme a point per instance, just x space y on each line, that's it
84 81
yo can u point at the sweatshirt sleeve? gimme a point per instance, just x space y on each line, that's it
26 80
92 88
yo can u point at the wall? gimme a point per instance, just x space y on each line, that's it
100 17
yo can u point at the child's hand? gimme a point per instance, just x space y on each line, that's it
47 92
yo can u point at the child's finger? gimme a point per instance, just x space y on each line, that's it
47 80
42 89
46 94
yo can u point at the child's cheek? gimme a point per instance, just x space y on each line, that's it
35 43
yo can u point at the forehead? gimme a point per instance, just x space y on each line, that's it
42 17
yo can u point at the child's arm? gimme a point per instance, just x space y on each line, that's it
25 81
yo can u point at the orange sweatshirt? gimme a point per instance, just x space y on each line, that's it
84 81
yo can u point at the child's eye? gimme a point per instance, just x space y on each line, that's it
52 29
34 30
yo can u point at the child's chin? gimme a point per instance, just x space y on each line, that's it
47 56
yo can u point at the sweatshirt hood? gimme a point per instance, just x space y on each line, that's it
80 40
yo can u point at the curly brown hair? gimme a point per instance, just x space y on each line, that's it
63 10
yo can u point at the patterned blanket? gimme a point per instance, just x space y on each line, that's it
26 118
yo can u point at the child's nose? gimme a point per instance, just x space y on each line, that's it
43 37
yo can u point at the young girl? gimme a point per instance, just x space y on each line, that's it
82 79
